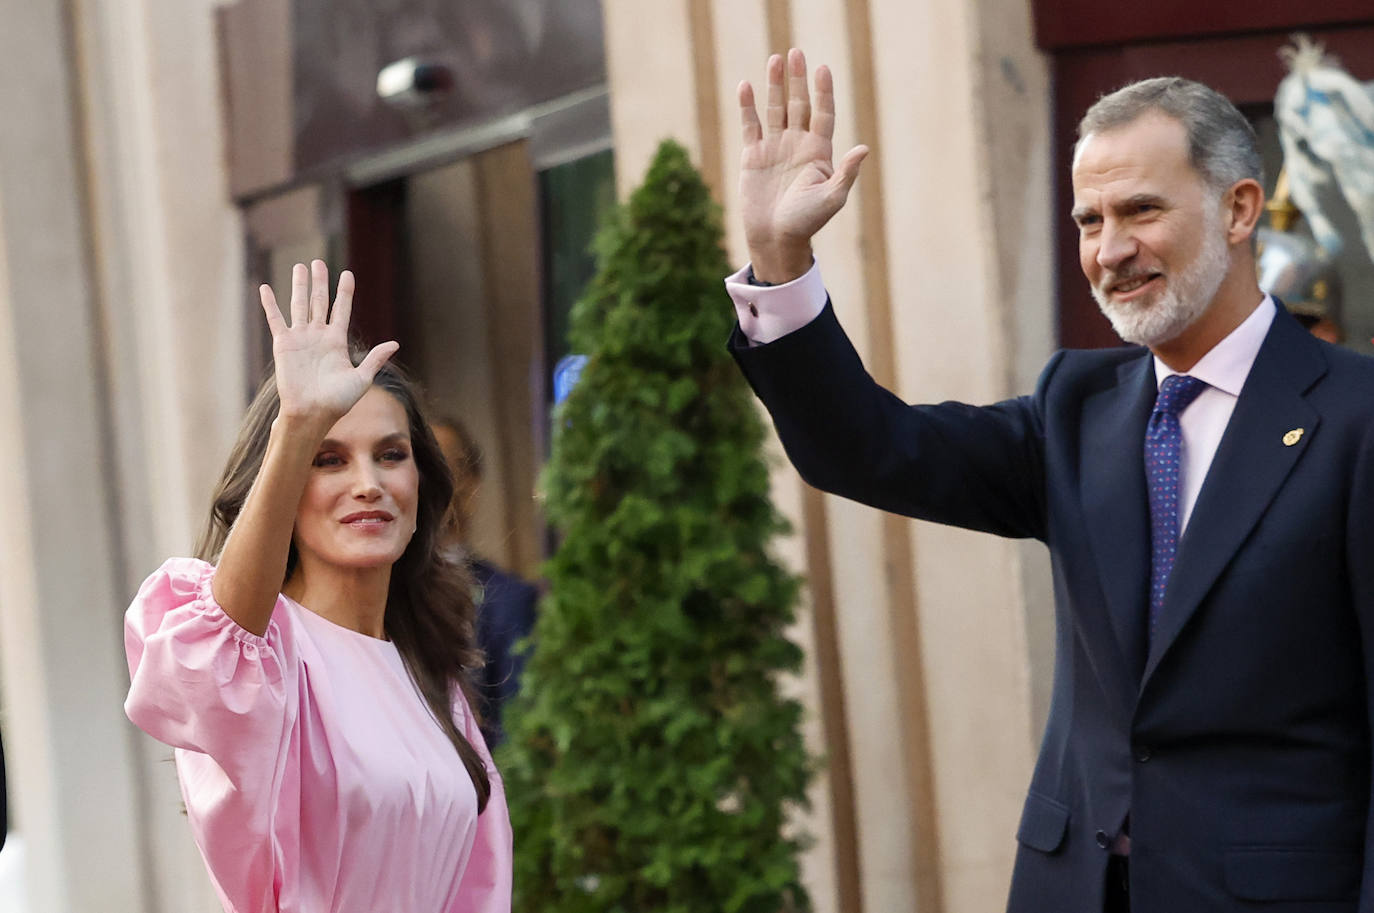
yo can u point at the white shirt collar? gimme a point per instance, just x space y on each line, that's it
1227 364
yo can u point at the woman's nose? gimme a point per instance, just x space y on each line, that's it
365 484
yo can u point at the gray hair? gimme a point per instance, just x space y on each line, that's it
1222 145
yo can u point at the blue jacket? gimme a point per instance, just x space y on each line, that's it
505 615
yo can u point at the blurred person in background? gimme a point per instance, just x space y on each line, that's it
505 603
310 667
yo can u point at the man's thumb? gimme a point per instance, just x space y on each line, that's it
848 172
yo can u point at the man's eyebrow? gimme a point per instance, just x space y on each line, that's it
1135 201
1140 199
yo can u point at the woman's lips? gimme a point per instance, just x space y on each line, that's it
366 518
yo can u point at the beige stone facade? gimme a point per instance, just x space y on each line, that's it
122 378
123 371
928 645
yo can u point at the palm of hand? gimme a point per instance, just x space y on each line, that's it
314 372
789 184
785 186
316 377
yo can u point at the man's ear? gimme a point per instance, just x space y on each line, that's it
1244 204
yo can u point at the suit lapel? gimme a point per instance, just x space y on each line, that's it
1251 463
1115 501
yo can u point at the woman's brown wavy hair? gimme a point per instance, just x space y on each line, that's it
430 612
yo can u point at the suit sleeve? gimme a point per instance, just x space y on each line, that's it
978 467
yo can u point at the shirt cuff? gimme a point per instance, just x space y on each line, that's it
767 313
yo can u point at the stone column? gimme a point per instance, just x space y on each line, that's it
72 758
121 381
928 648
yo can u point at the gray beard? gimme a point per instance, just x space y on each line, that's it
1160 318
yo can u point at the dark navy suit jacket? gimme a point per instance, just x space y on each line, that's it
1239 741
505 615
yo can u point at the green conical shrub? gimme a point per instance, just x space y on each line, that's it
651 762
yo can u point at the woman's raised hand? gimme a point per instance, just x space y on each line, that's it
315 377
789 185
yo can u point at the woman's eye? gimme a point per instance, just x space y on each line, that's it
395 456
327 460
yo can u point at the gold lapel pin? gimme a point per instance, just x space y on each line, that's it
1292 437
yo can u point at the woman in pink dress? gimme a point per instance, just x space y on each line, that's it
312 671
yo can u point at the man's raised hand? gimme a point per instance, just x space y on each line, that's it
316 379
789 186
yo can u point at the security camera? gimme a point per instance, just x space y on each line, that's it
414 83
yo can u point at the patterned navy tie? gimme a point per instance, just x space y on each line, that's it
1163 447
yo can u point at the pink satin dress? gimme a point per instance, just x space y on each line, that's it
315 778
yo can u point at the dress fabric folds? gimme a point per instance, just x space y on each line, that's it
315 778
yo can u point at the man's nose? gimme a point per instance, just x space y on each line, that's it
1115 246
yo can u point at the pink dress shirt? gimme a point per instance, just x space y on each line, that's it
315 778
1224 369
768 313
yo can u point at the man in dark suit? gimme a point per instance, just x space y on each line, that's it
1207 498
505 615
505 603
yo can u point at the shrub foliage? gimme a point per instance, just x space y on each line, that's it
651 760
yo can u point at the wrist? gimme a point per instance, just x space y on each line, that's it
781 264
307 429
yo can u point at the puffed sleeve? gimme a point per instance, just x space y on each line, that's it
486 883
227 700
200 682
